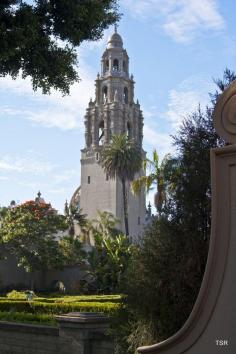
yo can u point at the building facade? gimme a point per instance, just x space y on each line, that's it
112 112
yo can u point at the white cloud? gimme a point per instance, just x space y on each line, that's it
156 140
66 175
52 110
182 20
60 191
26 164
64 120
186 98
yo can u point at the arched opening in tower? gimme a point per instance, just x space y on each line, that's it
125 95
101 133
115 66
104 94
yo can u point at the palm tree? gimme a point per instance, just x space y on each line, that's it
156 177
105 225
123 159
74 215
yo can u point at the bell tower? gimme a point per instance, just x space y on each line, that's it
112 112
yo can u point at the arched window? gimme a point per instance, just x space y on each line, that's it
101 133
125 95
128 130
115 65
107 65
104 94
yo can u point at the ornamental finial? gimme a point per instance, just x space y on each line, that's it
116 28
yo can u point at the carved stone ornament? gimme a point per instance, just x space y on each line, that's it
224 117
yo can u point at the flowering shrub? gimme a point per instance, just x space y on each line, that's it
29 232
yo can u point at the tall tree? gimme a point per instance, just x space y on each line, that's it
155 177
123 159
29 232
39 39
73 215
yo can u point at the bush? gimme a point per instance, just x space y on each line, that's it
27 318
166 273
58 308
82 298
16 295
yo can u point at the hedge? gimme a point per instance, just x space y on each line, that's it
58 308
68 299
24 317
82 298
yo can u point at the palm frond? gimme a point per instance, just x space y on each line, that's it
138 184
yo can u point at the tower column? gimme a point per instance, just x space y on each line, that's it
106 127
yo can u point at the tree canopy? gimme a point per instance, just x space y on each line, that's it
39 38
29 231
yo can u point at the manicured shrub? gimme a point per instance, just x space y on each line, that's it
25 317
57 308
16 295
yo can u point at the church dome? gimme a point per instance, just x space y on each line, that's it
115 41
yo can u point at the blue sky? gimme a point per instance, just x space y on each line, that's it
175 47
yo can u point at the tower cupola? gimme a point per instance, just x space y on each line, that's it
115 41
115 60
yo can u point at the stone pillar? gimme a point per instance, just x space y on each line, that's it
87 332
87 132
106 127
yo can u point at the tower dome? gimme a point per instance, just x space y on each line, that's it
115 41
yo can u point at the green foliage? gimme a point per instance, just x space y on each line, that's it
108 262
142 333
122 158
104 226
39 39
67 298
72 251
156 177
109 257
74 215
16 295
82 298
228 77
25 317
28 231
58 307
166 272
41 310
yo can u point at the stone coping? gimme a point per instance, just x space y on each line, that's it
83 317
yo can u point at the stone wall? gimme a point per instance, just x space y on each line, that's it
17 338
13 277
77 333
